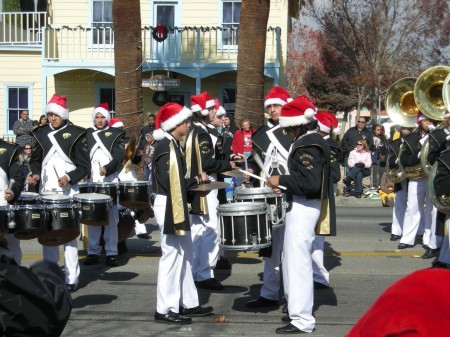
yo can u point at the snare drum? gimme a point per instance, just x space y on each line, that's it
134 194
276 210
108 188
30 221
63 219
94 208
244 226
28 198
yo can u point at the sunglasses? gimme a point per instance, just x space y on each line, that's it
27 148
362 122
359 144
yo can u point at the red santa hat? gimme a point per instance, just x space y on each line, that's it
298 112
220 111
447 114
198 104
169 116
324 121
116 123
210 103
58 106
102 109
277 95
420 117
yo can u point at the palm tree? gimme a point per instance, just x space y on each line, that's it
128 63
250 68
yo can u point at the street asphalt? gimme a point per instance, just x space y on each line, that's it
121 301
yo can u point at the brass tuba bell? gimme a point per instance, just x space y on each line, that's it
400 103
429 90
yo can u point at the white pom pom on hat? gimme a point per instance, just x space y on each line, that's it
298 112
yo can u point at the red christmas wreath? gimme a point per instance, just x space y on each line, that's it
160 32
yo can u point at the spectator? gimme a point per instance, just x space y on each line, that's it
23 128
379 154
356 133
42 120
386 190
359 162
242 140
24 160
146 129
228 132
147 155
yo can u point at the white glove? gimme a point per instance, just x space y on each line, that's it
431 127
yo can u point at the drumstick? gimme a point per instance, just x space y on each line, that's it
277 158
11 183
259 178
56 172
260 163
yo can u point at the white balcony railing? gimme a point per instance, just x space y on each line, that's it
21 28
182 45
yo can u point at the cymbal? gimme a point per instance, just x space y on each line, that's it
213 185
233 173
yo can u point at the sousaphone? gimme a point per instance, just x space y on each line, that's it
400 103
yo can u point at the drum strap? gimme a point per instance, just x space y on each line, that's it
100 145
276 142
56 148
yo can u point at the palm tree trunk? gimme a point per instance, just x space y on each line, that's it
250 68
128 63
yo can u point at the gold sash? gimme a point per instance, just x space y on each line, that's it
323 224
175 187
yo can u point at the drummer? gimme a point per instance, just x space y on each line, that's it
272 145
308 182
11 184
205 227
106 151
60 160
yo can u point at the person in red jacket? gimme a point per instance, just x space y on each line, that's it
242 140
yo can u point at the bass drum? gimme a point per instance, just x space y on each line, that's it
30 221
244 226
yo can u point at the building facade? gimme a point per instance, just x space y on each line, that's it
67 47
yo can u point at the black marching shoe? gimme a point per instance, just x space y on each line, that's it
91 259
395 237
290 328
172 318
211 284
198 311
404 246
261 302
439 264
111 261
430 253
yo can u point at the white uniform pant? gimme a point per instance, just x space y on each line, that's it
398 213
71 264
415 210
297 262
272 276
430 238
14 247
205 234
320 273
175 286
444 255
110 235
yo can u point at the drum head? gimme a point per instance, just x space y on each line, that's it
55 198
254 193
25 196
96 198
134 183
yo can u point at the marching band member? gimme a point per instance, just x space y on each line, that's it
418 194
400 188
60 161
308 182
11 185
272 145
177 297
106 151
327 123
200 157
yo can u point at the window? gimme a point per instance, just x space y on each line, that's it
108 95
229 98
231 15
18 100
102 20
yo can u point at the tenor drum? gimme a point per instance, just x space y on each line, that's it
63 219
28 198
244 226
276 210
4 219
29 221
134 194
94 208
108 188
